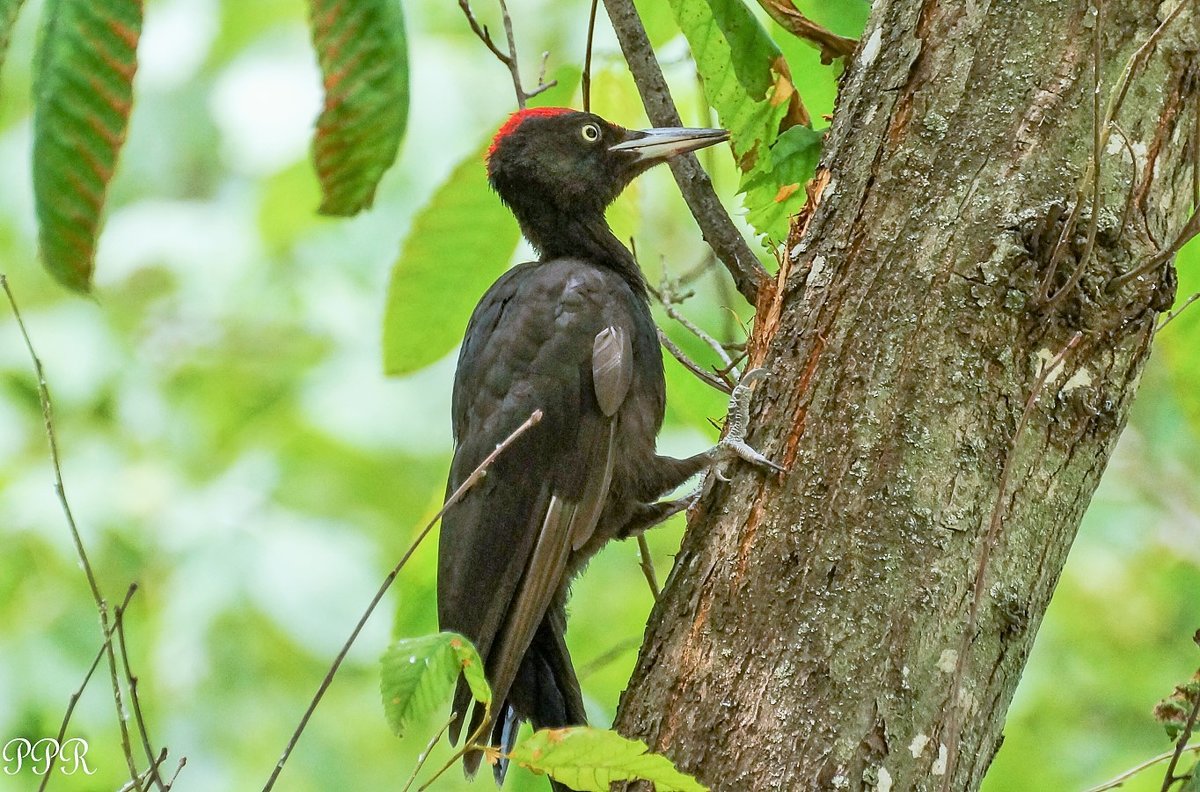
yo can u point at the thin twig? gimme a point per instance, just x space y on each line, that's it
1116 101
1190 229
471 744
74 697
669 299
1098 139
706 377
136 783
587 59
995 521
1135 62
1117 781
695 185
131 682
424 755
476 475
509 59
647 565
609 656
1180 744
1174 314
178 768
60 490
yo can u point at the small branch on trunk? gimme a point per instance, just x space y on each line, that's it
788 17
509 59
1174 314
715 225
647 565
1189 231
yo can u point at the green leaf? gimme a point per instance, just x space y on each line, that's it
83 94
471 667
741 69
419 673
1192 784
459 243
8 18
363 54
774 190
590 760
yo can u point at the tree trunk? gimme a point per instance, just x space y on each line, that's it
862 621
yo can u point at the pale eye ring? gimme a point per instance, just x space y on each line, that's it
590 132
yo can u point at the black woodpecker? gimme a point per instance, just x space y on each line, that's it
570 334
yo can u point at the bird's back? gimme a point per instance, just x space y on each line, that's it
577 342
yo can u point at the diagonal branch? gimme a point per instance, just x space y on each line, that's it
476 475
718 230
108 624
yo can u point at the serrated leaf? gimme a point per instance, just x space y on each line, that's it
83 94
774 190
590 760
741 70
419 673
459 243
363 54
8 18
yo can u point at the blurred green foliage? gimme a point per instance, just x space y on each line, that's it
231 443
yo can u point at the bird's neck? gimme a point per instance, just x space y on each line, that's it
582 237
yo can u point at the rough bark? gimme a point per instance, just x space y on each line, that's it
861 623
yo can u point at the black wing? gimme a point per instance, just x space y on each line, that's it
554 337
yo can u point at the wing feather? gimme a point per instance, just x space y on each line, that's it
546 337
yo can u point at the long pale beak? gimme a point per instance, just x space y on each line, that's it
660 144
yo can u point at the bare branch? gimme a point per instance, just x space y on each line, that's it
1119 780
647 565
424 755
669 298
131 682
706 377
74 697
789 18
509 58
718 230
1189 231
1099 138
106 625
1174 314
476 475
587 59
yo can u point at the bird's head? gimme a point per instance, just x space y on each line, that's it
564 161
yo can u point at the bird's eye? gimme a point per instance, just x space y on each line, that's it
590 132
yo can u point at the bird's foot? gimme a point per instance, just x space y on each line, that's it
734 445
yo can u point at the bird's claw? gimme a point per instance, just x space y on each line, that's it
738 419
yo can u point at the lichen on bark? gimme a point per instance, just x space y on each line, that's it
861 622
